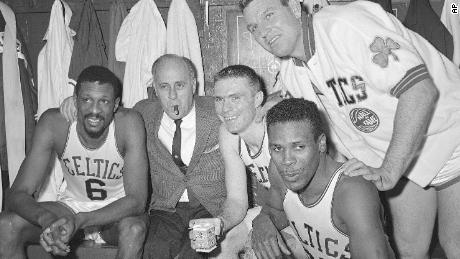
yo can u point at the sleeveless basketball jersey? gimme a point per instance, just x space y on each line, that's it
314 226
94 176
257 163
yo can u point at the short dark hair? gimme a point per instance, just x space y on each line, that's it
245 3
296 109
101 75
188 63
242 71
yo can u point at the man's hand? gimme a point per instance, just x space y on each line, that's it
55 237
382 178
68 109
266 239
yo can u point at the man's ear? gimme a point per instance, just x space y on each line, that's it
117 104
194 85
322 143
259 98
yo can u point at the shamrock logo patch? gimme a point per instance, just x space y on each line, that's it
383 48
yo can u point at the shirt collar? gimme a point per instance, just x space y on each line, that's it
187 122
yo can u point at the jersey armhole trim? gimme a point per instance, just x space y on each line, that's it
412 77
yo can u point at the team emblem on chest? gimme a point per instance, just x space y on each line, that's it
364 119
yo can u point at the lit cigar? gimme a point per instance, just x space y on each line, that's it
176 109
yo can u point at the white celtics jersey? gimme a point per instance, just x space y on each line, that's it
257 163
314 226
94 176
363 60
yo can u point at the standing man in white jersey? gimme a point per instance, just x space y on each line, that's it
238 94
334 216
104 161
392 101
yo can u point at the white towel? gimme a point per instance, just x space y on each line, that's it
452 23
141 40
14 106
54 59
182 37
53 81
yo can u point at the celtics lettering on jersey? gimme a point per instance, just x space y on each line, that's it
92 174
261 173
348 90
326 247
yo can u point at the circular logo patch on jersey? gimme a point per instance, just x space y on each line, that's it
364 119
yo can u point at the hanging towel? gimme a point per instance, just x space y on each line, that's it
14 105
182 37
89 47
53 80
54 59
422 19
117 14
452 22
29 97
141 40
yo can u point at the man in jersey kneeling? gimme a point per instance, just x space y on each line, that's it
104 163
333 215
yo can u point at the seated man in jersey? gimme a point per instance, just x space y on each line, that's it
333 215
239 94
104 161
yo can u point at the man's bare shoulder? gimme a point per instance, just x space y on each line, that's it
53 120
128 125
355 197
126 116
354 186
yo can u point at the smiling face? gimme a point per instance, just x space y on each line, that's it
96 105
275 27
174 86
295 152
236 103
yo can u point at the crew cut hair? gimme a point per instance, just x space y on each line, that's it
100 75
296 110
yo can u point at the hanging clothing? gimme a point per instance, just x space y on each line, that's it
13 101
53 81
422 19
452 22
29 96
182 37
140 41
54 59
117 14
89 47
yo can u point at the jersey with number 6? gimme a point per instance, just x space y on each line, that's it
92 175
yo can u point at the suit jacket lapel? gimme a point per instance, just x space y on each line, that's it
203 127
165 157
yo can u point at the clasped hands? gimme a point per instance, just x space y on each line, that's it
55 238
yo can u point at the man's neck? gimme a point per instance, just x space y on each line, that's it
326 169
89 141
253 136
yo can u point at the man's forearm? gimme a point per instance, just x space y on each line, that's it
278 217
413 114
26 207
115 211
233 213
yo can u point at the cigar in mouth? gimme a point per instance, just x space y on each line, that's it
176 109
